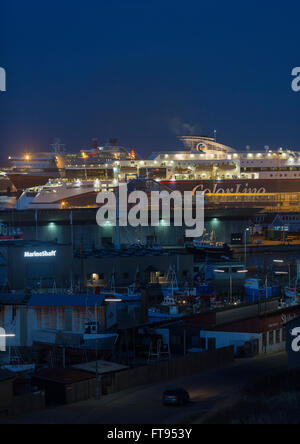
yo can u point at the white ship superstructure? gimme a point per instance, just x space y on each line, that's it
203 165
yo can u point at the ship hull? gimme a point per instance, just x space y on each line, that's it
23 181
236 186
216 252
233 186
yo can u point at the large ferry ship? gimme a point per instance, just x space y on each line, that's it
32 170
203 165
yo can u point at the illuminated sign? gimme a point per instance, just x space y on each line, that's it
293 342
2 80
34 254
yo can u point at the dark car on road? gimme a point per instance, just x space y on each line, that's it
177 396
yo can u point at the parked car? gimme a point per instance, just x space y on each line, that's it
177 396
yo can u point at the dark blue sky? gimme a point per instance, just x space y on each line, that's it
144 70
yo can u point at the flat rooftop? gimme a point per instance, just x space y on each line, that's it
103 367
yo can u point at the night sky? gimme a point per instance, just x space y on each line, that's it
144 71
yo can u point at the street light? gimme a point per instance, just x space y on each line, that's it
113 300
230 282
281 261
245 252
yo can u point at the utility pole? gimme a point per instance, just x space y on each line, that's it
97 368
72 230
231 286
266 292
36 224
118 235
245 245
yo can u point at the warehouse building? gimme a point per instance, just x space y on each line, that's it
79 227
48 266
61 318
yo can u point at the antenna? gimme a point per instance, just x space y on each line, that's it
215 135
57 147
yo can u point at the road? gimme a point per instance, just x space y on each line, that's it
143 405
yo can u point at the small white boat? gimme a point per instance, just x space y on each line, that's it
92 332
124 294
170 308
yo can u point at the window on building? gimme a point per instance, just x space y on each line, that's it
278 336
264 340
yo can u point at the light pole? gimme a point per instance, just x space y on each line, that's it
280 261
107 300
243 272
245 245
230 286
267 293
97 369
230 282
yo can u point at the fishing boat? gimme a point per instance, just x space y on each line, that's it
207 245
207 248
292 292
124 294
256 289
168 309
10 233
176 302
93 333
129 294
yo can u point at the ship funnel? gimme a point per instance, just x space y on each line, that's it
195 143
95 144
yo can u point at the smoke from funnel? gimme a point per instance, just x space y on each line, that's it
179 127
